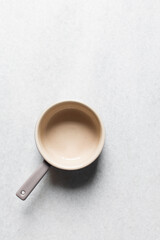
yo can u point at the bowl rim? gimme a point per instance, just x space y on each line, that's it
90 159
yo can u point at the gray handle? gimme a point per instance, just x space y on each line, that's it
32 181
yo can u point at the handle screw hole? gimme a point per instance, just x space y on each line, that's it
23 192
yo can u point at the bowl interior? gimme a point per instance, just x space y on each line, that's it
69 135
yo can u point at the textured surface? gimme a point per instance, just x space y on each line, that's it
105 54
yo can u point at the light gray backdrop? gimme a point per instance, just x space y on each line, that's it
103 53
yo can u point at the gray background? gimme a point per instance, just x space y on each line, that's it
107 55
